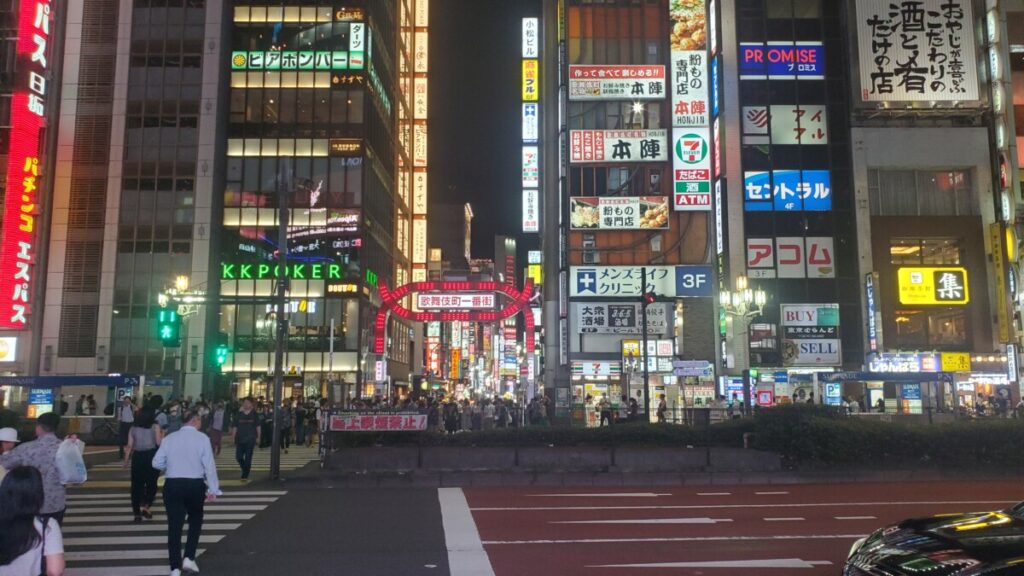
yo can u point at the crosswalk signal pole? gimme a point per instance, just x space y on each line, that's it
283 184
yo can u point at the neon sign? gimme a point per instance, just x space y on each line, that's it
272 271
28 109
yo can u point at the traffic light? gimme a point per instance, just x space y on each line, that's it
220 353
650 298
168 327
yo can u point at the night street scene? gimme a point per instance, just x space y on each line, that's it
511 287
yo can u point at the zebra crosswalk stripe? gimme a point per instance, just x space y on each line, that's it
101 539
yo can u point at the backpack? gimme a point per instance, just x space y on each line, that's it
109 410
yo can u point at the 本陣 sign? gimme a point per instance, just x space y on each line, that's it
810 335
787 191
933 286
609 82
622 281
618 213
689 89
782 61
691 170
432 301
916 50
791 257
28 108
378 422
620 318
618 146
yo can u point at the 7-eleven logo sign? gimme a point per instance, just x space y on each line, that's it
691 148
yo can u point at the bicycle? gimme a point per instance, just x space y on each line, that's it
107 432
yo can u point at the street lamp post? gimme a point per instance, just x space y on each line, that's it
744 303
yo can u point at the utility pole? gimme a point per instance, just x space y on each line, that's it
644 297
284 178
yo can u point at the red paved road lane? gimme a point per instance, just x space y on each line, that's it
709 531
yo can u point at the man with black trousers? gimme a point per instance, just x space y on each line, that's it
190 481
247 435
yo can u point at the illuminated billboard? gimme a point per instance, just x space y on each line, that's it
24 177
933 286
455 301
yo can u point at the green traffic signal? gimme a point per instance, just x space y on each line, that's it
220 355
168 328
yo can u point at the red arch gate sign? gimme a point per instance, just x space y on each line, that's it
516 302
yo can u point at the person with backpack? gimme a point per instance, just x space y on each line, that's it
41 453
30 544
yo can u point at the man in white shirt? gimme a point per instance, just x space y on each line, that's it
191 480
125 419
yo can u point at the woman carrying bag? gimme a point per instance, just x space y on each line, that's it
143 439
28 546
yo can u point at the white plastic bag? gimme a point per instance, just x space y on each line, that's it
69 461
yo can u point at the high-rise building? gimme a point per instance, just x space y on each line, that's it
188 123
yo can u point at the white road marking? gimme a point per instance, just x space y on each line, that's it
855 518
776 563
160 570
794 519
115 541
714 493
770 493
647 521
226 494
148 526
227 507
722 506
850 537
466 554
603 495
127 501
82 519
118 554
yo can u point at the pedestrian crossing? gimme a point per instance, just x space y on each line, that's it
101 539
227 468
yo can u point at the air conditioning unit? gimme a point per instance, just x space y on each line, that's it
591 257
589 242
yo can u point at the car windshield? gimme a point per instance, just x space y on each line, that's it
1017 510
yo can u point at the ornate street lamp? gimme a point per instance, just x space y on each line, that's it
744 303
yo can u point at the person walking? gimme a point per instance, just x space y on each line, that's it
247 435
187 459
143 440
125 419
266 419
300 423
41 453
216 432
286 426
29 543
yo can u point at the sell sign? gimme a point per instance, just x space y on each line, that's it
624 82
691 170
811 335
933 286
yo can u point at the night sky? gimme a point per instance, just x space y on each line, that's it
475 131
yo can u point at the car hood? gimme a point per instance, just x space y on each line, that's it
944 545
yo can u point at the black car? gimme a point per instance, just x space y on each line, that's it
976 544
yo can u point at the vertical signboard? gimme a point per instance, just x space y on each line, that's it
531 125
24 173
531 222
531 38
691 139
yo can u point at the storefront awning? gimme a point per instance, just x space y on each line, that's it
885 376
60 381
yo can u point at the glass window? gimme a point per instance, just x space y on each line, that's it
922 193
925 252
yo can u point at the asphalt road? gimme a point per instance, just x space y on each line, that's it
309 525
720 530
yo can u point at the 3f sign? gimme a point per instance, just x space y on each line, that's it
694 281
